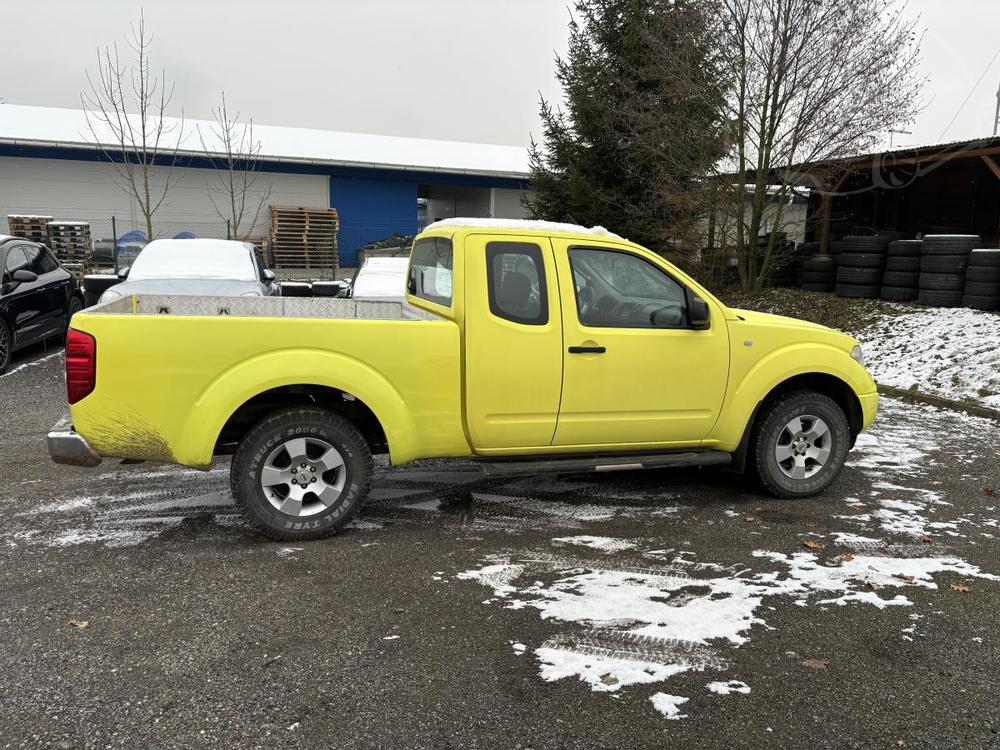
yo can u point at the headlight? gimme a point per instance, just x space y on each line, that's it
857 356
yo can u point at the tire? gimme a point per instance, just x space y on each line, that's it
820 264
818 286
898 293
857 291
944 263
943 282
271 443
75 305
6 347
900 278
863 276
950 244
939 299
819 277
982 288
905 248
902 263
985 258
861 260
980 302
854 245
799 414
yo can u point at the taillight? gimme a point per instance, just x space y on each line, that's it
81 365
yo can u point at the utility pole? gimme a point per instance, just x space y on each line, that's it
996 117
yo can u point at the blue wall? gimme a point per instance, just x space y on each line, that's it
370 210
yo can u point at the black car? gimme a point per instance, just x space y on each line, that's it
37 296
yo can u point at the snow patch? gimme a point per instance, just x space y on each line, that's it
669 705
727 688
603 543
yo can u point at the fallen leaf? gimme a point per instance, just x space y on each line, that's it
874 586
816 663
961 588
609 679
926 538
904 577
900 743
749 519
989 492
812 544
79 623
847 557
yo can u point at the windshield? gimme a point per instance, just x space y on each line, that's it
194 259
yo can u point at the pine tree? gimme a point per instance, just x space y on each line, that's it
641 126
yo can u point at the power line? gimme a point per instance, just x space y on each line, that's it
973 91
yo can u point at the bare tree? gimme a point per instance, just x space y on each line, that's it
125 107
812 81
235 189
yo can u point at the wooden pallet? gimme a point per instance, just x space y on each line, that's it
303 237
34 228
70 240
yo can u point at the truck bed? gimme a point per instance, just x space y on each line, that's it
172 370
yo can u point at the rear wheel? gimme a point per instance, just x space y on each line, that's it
301 474
799 442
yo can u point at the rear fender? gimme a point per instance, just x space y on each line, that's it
237 385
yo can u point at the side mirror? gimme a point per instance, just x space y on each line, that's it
123 273
268 276
23 276
699 317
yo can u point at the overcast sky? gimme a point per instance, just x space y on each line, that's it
454 69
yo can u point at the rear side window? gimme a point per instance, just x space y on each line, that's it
516 283
44 262
431 270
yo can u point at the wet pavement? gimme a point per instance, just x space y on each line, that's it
671 608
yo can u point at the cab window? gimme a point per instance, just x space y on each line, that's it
616 289
41 260
516 282
431 270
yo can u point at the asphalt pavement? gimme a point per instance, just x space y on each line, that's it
659 609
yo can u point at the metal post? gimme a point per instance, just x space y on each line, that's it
996 117
228 230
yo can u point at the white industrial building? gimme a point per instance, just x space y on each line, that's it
50 165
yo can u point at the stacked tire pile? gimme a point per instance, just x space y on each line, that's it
819 272
860 267
943 262
901 279
982 280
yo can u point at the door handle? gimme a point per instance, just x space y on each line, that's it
587 349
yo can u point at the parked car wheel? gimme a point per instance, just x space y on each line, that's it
799 442
6 347
301 474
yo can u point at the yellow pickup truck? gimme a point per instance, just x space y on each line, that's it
529 346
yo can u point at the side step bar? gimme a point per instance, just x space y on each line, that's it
615 462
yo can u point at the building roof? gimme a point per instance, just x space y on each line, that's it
524 225
68 128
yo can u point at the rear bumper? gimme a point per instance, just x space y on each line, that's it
66 446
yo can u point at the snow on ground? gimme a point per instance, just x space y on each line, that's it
669 705
639 614
953 353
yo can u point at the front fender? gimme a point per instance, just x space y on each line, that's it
251 377
775 368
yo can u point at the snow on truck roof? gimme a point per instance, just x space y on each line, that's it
525 225
52 126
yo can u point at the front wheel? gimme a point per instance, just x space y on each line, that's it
301 474
800 442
